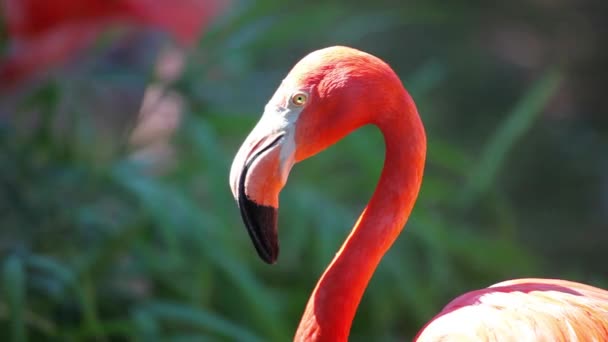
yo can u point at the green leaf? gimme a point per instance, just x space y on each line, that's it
198 318
53 268
14 288
516 124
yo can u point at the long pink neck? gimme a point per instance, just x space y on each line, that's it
333 303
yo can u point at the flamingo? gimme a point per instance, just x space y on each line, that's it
328 94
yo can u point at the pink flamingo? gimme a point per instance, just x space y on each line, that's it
327 95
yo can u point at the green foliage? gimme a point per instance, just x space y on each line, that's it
516 124
14 285
98 242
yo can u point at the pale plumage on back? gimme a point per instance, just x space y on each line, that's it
524 310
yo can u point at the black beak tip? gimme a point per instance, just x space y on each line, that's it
261 223
270 259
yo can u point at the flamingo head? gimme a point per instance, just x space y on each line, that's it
326 95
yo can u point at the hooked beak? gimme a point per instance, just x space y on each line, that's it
259 172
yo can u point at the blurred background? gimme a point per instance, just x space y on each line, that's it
119 121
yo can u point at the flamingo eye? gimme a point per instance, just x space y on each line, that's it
299 99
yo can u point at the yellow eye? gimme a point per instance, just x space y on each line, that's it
299 99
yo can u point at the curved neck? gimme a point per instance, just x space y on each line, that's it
333 303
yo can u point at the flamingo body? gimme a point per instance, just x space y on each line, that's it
523 310
327 95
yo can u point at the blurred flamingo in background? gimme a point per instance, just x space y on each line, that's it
328 94
43 34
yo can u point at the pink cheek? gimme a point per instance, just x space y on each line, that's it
308 134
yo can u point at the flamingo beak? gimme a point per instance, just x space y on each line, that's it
259 172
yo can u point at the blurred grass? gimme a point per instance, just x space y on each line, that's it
14 286
515 125
97 244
